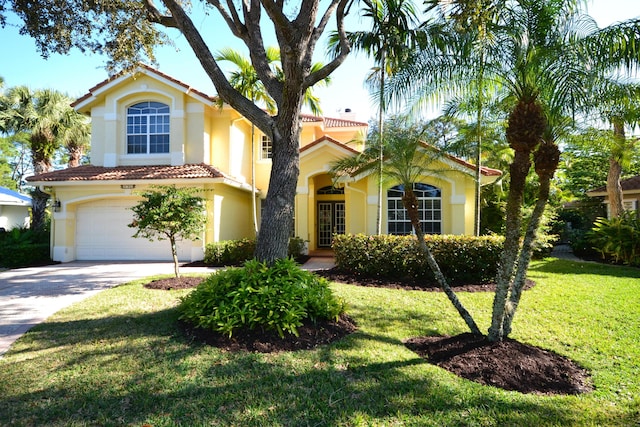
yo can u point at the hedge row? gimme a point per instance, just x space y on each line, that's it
24 254
236 252
462 259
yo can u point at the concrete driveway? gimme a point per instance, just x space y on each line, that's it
28 296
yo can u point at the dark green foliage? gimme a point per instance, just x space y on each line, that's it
22 247
462 259
229 252
617 239
236 252
277 298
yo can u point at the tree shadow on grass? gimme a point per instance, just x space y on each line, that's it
136 369
561 266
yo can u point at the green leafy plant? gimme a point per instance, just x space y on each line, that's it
169 213
278 297
21 247
237 252
617 239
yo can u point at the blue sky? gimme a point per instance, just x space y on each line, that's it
74 74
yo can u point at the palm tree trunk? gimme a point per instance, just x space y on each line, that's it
381 142
526 252
614 189
410 203
518 170
546 160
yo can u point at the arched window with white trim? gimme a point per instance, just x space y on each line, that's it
429 209
148 128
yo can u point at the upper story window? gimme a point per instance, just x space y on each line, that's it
267 147
148 128
429 209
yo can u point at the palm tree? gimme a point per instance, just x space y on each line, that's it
392 36
40 114
541 61
472 20
246 81
76 136
618 103
406 159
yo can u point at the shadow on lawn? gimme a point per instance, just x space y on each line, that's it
140 369
560 266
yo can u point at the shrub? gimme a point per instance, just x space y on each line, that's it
462 259
22 247
277 298
237 252
229 252
617 239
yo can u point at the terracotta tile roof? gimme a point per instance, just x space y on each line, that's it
486 171
629 184
124 173
331 140
149 69
332 122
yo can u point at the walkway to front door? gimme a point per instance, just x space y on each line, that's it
331 220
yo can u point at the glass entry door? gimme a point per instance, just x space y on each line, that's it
331 217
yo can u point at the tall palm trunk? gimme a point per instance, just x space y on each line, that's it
41 162
614 189
546 162
410 202
527 123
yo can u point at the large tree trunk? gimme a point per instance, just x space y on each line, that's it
275 227
410 203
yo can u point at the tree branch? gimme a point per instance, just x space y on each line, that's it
154 15
243 105
345 46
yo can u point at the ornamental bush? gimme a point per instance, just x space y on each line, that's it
237 252
462 259
617 239
280 298
22 247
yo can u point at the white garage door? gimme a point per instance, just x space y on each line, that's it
102 234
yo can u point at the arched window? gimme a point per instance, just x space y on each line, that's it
148 128
429 209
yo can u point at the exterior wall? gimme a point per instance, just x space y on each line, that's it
14 216
229 214
203 133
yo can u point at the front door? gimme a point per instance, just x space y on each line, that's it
330 222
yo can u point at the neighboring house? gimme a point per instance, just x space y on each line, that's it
150 129
630 194
14 209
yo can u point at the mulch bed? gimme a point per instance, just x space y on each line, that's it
509 364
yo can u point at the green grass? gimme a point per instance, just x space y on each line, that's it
118 359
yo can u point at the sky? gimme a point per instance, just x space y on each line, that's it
75 73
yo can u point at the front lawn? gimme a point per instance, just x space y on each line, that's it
119 359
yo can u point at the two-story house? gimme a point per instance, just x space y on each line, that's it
151 129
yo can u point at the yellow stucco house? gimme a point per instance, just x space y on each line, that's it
151 129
